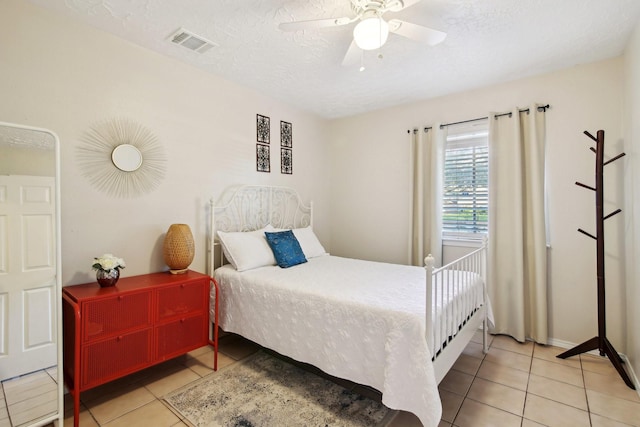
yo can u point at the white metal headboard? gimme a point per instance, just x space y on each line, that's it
251 207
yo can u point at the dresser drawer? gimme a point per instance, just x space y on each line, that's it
105 317
180 336
182 299
111 358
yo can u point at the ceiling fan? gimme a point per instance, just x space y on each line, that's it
372 30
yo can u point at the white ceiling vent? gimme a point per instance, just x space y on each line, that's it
191 41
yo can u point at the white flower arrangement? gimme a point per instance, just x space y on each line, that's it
108 262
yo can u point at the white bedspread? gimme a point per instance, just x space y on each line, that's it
359 320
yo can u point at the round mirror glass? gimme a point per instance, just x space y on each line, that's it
126 157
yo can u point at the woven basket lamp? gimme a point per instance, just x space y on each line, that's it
178 248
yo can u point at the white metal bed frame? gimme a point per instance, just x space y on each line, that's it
251 207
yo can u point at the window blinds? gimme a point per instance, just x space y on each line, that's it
466 184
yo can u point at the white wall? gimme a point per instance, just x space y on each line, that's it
632 196
61 75
370 178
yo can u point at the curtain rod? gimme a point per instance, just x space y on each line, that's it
541 108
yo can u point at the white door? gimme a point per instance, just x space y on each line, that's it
27 274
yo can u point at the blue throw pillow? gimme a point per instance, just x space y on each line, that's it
286 248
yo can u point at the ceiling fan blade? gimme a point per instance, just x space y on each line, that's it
402 4
314 24
416 32
354 53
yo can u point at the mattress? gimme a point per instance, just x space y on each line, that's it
359 320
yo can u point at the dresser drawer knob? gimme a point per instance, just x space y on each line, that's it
119 338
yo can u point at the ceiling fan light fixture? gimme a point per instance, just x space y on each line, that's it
371 33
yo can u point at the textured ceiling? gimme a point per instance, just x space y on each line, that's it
488 41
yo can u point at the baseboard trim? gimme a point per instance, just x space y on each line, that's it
566 344
630 371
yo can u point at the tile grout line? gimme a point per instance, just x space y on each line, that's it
526 392
453 421
586 396
141 383
475 375
4 400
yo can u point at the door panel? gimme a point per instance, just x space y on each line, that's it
37 242
38 305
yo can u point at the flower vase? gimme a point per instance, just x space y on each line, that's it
107 278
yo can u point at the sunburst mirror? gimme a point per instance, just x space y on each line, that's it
122 158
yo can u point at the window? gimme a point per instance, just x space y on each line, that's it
466 184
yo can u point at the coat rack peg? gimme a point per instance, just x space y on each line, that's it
586 132
600 342
588 187
617 211
588 234
614 159
593 149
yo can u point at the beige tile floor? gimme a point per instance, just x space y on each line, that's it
513 385
527 385
29 399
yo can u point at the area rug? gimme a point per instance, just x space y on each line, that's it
266 391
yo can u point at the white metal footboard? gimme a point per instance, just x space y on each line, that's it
460 307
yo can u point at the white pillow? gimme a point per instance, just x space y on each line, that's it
309 243
247 249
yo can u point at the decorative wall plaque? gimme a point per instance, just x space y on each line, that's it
286 135
286 163
263 158
263 128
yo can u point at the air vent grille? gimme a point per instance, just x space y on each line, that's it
191 41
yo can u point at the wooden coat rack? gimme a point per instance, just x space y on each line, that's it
600 342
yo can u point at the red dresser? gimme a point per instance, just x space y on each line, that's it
143 320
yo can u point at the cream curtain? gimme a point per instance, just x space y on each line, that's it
517 225
427 156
